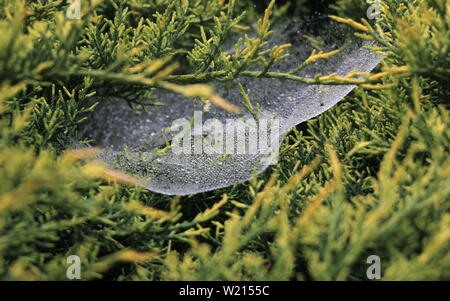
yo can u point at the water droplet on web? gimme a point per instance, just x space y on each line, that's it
114 126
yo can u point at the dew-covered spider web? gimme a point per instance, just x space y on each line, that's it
135 141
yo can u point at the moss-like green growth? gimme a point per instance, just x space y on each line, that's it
369 177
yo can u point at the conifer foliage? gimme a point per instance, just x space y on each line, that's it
369 177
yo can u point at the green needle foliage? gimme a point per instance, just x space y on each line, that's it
369 177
